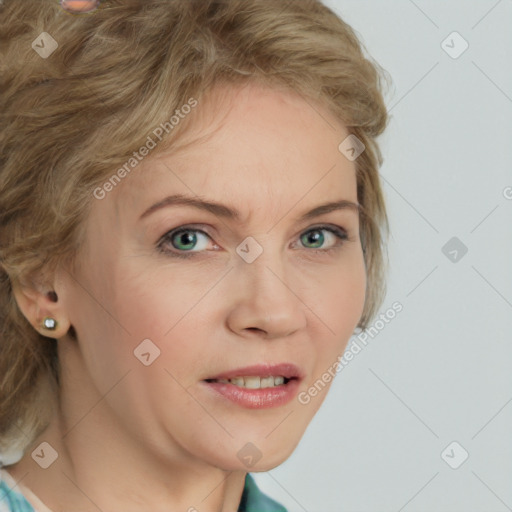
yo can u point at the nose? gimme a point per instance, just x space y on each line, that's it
266 300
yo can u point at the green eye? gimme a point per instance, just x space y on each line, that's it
313 237
316 237
184 240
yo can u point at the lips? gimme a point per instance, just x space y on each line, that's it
262 386
287 370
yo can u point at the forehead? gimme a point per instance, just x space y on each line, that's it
252 147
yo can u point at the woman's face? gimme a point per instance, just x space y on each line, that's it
266 288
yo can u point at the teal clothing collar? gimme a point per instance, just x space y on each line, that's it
253 500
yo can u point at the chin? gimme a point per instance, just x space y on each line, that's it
257 456
259 467
269 455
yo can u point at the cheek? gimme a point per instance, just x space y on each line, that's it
342 303
346 288
350 293
164 303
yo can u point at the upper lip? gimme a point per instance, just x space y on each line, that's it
287 370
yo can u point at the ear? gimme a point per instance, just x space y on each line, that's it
37 302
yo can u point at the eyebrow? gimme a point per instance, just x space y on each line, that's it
227 212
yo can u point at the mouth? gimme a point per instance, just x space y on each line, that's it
255 382
260 376
256 387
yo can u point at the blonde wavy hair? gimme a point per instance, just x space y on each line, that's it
69 119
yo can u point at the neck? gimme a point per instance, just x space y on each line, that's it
101 465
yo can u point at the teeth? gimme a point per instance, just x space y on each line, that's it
278 381
266 382
237 381
254 382
251 382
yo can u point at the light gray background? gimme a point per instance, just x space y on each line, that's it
441 370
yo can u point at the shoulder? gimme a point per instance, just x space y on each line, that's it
11 500
253 500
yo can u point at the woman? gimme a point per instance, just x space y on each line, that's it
192 227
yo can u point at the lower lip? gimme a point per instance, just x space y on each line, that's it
256 398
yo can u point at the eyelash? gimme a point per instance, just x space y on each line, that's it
339 232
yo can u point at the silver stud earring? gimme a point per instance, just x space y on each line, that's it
50 323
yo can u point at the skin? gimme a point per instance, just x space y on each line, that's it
79 5
132 437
